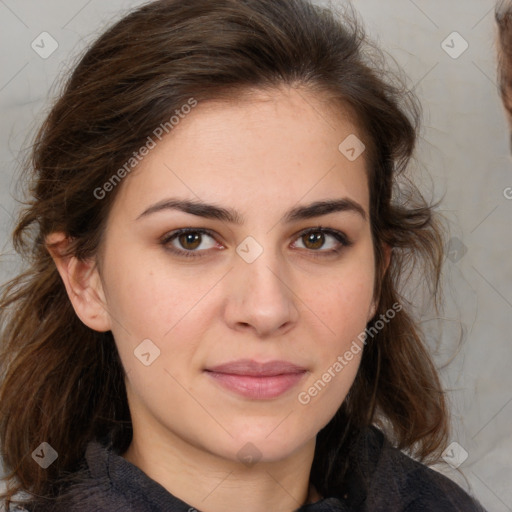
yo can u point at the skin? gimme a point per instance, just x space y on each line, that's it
261 156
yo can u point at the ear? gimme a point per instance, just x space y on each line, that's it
82 282
387 255
386 248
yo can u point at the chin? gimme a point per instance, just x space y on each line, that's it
266 445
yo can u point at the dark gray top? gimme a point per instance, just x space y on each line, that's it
397 483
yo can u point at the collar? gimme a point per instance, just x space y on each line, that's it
112 471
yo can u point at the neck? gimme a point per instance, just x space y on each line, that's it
211 483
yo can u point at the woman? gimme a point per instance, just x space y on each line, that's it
213 317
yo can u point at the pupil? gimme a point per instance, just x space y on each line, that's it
316 239
190 238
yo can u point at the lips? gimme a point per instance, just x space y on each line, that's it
254 380
255 369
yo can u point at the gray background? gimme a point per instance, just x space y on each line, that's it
464 154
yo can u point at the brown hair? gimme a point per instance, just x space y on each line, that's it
503 17
62 382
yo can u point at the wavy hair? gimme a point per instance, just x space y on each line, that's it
503 18
62 382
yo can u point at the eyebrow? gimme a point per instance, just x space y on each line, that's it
211 211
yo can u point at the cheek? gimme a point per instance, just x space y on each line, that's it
148 294
345 300
338 347
344 311
162 319
344 306
150 303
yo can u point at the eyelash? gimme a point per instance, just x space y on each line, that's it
338 235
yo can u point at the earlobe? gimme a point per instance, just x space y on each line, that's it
387 255
371 314
82 282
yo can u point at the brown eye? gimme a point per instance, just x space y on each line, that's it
315 239
189 240
185 242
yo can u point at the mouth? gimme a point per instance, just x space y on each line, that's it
255 380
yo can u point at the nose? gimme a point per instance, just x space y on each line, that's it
261 297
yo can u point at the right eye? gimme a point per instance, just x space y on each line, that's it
189 239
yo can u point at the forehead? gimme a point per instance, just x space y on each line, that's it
266 148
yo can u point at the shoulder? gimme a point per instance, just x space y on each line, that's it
398 482
107 481
90 488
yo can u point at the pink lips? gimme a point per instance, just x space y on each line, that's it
257 380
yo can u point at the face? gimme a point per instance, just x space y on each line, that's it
255 286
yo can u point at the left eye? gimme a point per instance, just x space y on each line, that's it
313 239
316 238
